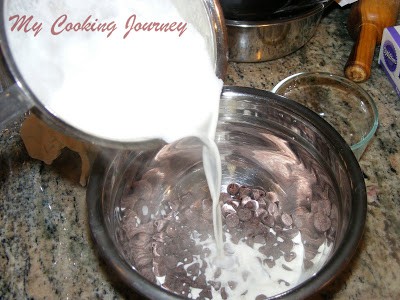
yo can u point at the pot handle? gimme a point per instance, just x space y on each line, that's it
13 103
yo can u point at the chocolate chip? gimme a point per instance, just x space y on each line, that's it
280 281
171 231
200 282
232 220
287 219
245 200
233 189
224 197
234 203
289 256
258 193
286 246
244 214
259 212
193 269
322 222
268 220
290 233
250 242
301 217
285 267
159 268
252 205
261 297
273 209
244 192
224 295
206 293
259 239
171 261
310 252
227 209
232 285
308 264
215 284
269 262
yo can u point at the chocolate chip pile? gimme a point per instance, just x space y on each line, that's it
163 241
255 216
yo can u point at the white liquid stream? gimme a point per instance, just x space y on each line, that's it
148 85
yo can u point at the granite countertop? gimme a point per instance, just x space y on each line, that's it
46 250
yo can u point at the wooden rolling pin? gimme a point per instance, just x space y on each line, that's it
366 22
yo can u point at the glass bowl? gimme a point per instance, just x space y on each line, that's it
341 102
293 204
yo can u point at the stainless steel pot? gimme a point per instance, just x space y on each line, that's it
256 41
248 118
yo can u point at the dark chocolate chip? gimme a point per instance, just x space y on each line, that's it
215 284
286 245
252 205
267 220
227 209
244 192
232 220
287 220
322 222
280 281
289 256
159 268
285 267
273 209
308 264
224 295
244 214
232 285
269 262
233 189
171 261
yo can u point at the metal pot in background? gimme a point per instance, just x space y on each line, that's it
285 31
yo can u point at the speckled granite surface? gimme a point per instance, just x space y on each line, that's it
46 251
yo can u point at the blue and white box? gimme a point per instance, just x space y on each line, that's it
389 55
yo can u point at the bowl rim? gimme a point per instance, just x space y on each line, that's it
337 262
314 11
342 80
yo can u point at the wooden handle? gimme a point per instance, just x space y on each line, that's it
366 22
358 67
